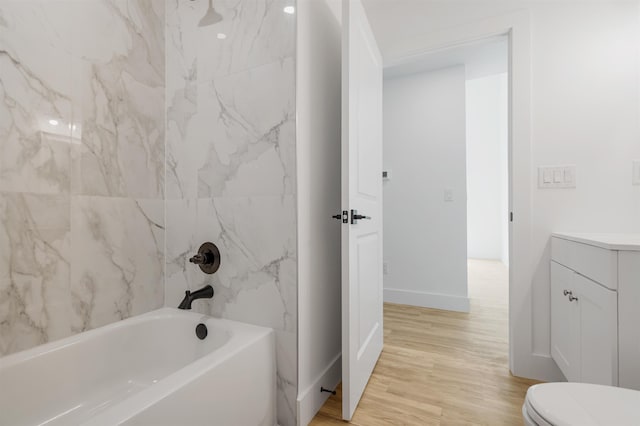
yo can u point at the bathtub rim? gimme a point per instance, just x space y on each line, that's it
163 312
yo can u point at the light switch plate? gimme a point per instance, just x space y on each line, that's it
557 177
636 172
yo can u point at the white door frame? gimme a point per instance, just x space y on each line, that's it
516 26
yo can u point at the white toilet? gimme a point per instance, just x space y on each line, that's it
581 404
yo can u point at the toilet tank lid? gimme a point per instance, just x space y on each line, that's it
565 404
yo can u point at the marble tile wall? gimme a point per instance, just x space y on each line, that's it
230 171
117 113
82 135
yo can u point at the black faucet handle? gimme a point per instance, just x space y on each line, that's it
199 259
208 258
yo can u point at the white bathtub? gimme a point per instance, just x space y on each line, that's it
146 370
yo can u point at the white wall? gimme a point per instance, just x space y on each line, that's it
487 178
318 176
584 111
424 146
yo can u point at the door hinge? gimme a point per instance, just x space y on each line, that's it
510 216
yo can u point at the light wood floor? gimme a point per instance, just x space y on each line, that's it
443 368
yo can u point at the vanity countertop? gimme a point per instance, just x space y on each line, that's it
620 241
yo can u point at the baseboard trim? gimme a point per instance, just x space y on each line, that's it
311 400
540 367
426 300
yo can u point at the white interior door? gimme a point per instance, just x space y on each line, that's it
362 192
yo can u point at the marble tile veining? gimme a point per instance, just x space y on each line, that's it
251 34
119 98
234 136
82 86
181 43
181 244
249 145
117 259
231 154
35 98
258 253
257 33
185 126
34 270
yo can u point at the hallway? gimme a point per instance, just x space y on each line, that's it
443 368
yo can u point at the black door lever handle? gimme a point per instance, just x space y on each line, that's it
337 216
355 217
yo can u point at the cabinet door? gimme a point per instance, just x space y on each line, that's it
565 337
598 332
629 320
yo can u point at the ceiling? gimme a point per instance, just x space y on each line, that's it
400 24
483 58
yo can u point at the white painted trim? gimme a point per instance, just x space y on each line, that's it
318 150
426 300
468 34
311 400
545 368
522 361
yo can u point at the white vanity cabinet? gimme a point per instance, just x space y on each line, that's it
584 327
595 308
565 327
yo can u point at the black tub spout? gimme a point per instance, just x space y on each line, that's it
205 292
